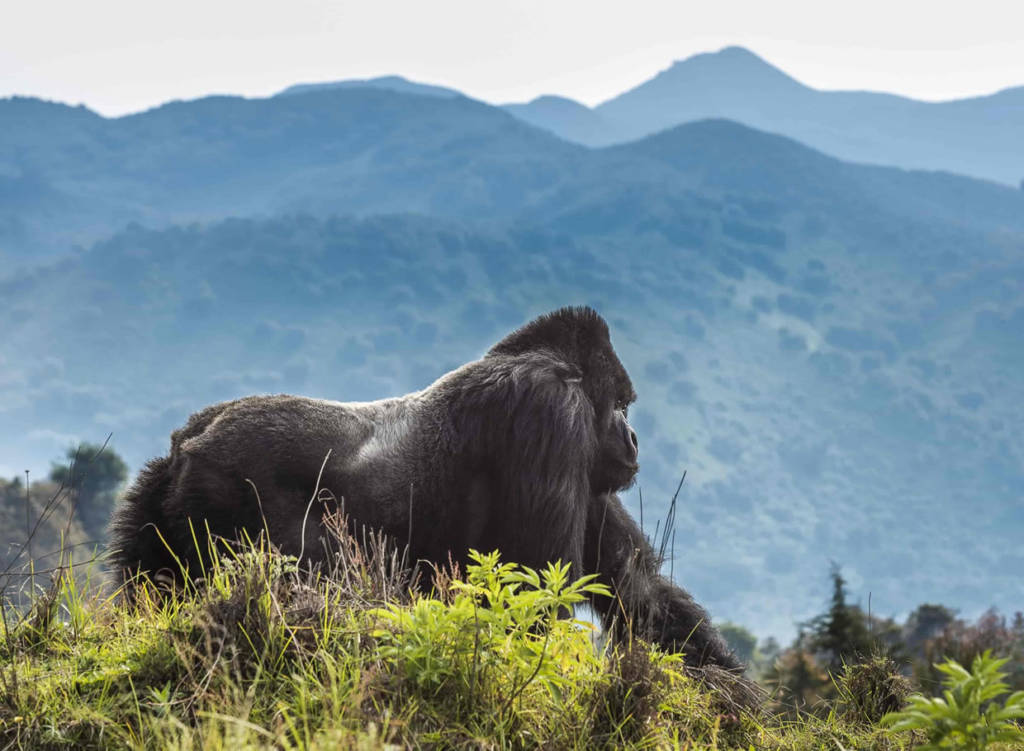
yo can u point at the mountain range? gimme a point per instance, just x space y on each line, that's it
830 350
977 136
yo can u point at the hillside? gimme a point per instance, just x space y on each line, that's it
798 386
262 656
830 350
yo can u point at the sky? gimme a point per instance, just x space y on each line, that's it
120 56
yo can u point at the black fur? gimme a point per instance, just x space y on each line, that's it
520 451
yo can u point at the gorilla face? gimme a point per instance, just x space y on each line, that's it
610 392
616 464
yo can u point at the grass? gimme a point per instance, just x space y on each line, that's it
262 655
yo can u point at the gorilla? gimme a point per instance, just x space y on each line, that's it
521 451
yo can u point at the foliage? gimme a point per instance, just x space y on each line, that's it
798 681
926 622
880 659
967 715
94 473
501 631
263 655
964 642
741 640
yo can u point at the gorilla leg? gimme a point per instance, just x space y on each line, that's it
646 603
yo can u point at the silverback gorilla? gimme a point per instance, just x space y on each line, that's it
520 451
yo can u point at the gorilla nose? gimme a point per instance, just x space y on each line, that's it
631 441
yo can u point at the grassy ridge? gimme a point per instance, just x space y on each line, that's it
261 655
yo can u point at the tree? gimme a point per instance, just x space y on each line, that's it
965 642
842 633
94 474
924 624
740 640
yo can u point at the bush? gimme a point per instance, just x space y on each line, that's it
500 633
966 716
871 689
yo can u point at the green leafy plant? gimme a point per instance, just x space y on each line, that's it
501 631
966 716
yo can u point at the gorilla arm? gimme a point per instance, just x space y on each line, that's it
645 602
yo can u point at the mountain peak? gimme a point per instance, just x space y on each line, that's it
732 52
732 83
389 83
566 117
555 101
732 64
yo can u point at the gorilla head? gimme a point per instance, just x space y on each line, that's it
579 338
520 451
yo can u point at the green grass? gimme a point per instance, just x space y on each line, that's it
263 656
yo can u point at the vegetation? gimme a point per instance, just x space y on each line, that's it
94 474
867 663
262 655
39 513
967 715
51 520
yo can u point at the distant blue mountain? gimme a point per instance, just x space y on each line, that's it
567 118
359 149
389 83
980 136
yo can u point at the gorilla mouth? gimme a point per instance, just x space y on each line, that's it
625 473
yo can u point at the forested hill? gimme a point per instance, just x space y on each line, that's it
831 351
826 405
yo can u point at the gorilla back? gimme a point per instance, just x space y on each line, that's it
520 451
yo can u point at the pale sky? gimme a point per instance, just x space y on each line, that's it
119 56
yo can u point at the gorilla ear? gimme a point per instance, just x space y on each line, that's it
571 332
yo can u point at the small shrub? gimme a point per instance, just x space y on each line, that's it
872 689
498 634
626 703
966 716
